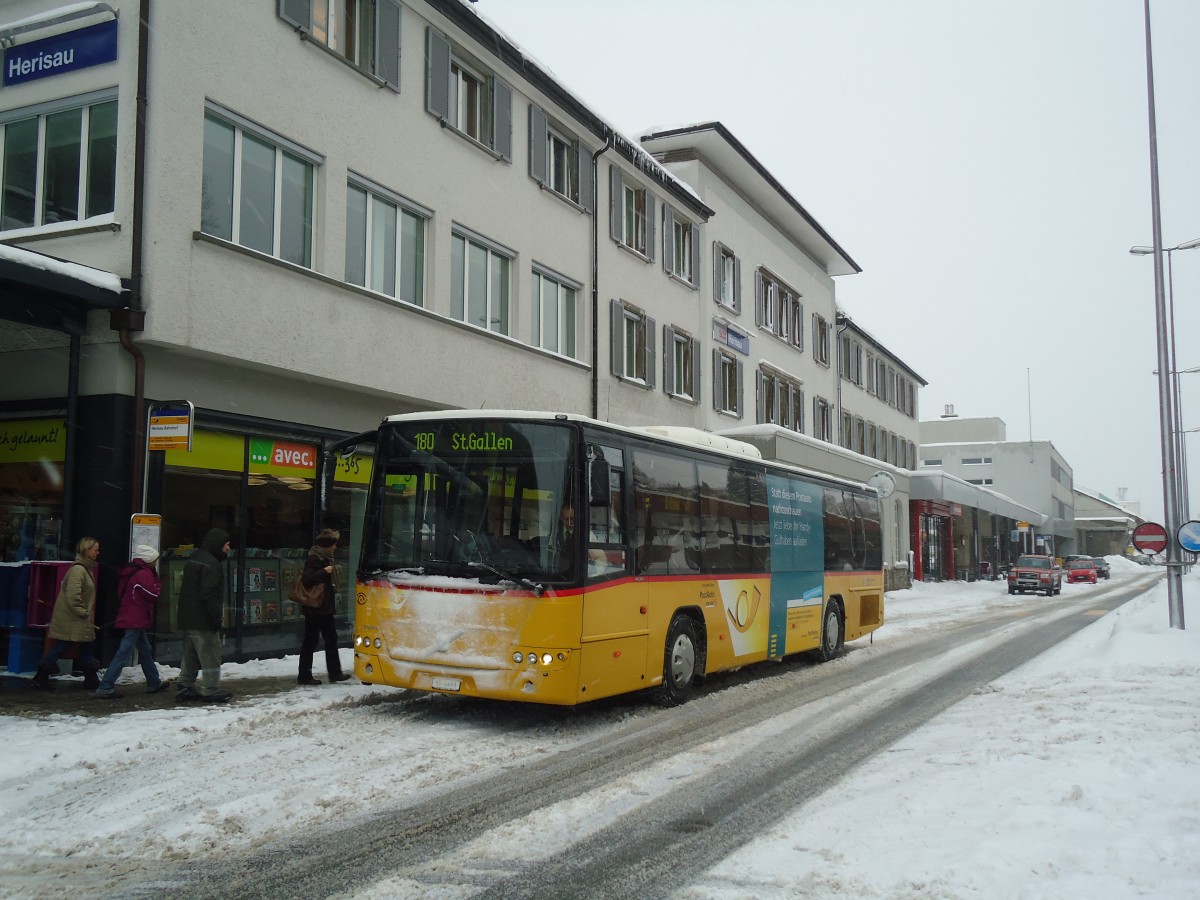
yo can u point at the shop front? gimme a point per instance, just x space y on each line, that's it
264 490
932 529
960 530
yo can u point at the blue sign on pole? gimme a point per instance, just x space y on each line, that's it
1189 536
68 52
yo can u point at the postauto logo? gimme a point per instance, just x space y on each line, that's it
266 452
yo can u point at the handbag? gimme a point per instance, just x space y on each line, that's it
312 597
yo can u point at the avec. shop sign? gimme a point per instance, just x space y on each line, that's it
68 52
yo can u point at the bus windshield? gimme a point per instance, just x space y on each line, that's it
474 499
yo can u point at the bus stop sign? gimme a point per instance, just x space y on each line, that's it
1150 537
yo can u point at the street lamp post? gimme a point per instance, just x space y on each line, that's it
1179 446
1166 418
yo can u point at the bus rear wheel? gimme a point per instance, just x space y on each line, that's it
833 631
679 662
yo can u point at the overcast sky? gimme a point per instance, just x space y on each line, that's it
986 164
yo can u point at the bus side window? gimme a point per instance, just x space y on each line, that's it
606 524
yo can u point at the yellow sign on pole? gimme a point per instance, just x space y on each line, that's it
171 426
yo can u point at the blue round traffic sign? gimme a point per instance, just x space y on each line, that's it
1189 536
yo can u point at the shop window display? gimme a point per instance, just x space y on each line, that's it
32 452
262 491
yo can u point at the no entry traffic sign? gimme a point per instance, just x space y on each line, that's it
1150 537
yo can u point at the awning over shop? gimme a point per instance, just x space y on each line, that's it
40 290
938 485
1105 523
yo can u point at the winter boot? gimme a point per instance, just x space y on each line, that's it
91 680
42 678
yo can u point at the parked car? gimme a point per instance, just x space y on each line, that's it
1102 568
1071 557
1081 570
1035 573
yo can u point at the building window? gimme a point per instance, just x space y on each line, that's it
365 33
631 219
820 339
883 446
822 419
977 461
468 98
778 309
727 383
385 244
558 161
983 482
555 313
780 400
479 283
681 364
860 436
727 278
632 344
931 462
59 165
680 241
847 435
255 192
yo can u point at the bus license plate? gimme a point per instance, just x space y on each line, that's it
447 684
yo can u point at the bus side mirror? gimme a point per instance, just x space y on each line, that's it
598 482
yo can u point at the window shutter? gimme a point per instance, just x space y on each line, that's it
437 74
716 251
758 298
737 285
502 118
617 323
651 223
668 238
649 324
298 12
716 379
616 203
695 372
760 392
587 177
387 42
740 389
538 127
669 359
693 274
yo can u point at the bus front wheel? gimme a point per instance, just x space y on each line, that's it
833 630
679 662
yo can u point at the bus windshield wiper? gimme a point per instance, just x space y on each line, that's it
474 548
524 582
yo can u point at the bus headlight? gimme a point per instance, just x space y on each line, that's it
518 658
378 643
547 659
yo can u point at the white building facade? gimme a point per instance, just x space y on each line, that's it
300 221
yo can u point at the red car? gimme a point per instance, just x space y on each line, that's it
1081 570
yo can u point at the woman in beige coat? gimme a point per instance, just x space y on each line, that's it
71 624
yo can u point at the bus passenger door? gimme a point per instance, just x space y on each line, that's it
615 611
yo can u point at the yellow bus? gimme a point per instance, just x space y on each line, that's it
556 559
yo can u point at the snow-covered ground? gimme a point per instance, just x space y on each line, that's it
1074 775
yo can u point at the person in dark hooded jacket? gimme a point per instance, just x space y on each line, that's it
201 601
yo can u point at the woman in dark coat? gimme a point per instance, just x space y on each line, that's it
318 620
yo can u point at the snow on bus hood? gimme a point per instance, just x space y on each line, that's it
455 622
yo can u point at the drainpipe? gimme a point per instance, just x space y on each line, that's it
608 142
133 317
